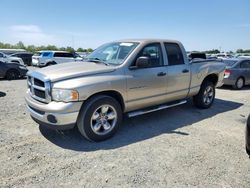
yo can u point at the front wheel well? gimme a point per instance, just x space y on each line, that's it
212 78
116 95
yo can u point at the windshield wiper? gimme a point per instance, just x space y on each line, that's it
97 60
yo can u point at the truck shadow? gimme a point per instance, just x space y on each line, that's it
224 87
2 94
141 128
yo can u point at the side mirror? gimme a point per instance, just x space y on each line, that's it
142 62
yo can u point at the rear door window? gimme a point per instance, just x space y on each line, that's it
69 55
63 54
174 54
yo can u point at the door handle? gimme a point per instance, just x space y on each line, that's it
185 71
161 74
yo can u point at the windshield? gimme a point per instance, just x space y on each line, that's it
230 63
112 53
37 54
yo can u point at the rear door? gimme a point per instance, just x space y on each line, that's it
63 57
178 79
59 57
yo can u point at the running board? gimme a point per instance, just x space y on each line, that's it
161 107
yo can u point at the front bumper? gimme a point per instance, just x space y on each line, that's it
248 136
23 72
55 115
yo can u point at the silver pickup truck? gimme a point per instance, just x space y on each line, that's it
130 76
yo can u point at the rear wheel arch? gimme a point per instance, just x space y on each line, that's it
242 78
211 78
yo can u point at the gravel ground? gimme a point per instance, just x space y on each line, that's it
177 147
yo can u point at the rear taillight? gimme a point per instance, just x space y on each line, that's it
227 73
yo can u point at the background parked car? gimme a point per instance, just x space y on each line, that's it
197 55
11 51
223 56
46 58
244 56
12 71
248 136
5 58
83 54
237 73
25 56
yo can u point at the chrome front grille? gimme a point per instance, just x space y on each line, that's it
39 89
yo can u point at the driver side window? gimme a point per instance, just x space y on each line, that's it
154 53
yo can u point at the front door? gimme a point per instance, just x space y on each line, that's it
147 86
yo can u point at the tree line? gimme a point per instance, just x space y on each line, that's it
33 48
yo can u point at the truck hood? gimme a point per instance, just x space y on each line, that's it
65 71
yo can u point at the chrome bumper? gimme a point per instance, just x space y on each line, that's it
63 114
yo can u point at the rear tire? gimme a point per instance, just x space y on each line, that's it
99 118
205 98
12 75
239 84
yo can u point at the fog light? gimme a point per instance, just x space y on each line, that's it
51 118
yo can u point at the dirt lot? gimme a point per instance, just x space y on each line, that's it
178 147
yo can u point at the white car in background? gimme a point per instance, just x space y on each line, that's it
9 59
46 58
223 56
244 56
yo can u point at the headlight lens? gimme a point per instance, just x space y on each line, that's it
65 95
22 67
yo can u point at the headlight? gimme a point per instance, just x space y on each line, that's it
65 95
22 67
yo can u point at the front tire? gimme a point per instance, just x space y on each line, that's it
99 118
12 75
205 98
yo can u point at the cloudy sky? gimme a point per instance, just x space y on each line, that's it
199 24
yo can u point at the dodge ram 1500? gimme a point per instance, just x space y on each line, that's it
129 76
